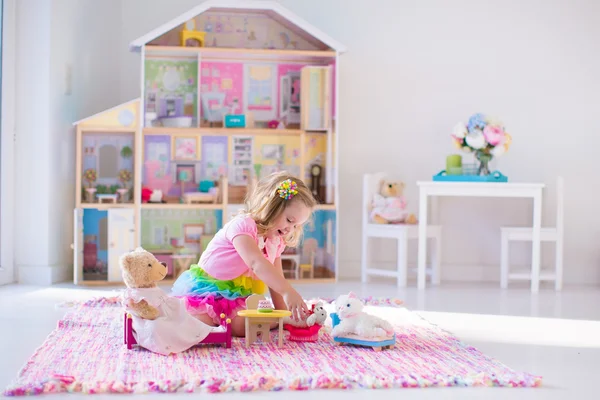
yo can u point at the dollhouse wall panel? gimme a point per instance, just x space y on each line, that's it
171 87
123 116
246 31
103 153
157 168
274 154
162 230
321 236
221 89
214 157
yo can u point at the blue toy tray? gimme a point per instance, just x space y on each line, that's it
388 342
495 176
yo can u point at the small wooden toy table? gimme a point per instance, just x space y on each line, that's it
260 322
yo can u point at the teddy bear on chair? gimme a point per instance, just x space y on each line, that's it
389 205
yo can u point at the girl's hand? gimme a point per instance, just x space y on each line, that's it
295 303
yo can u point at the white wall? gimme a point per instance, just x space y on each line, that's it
32 173
413 69
52 37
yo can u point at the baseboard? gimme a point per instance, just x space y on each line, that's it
43 275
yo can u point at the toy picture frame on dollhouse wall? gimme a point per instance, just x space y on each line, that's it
231 93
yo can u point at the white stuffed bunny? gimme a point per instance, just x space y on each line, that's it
318 316
353 320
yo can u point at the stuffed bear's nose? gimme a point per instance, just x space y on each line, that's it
390 185
164 264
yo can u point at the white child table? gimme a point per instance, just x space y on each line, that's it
480 189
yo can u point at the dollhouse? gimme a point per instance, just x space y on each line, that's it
230 92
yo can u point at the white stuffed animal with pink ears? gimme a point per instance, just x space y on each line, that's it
318 316
353 320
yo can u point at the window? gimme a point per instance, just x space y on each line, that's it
107 158
260 88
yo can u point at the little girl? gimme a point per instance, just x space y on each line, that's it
244 256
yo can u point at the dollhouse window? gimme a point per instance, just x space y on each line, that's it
260 88
107 162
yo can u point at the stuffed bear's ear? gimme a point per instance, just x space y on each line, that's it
352 295
125 259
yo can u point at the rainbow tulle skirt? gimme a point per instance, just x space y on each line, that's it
207 295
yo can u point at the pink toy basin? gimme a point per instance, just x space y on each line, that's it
310 334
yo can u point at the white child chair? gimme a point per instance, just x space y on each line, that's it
549 234
401 232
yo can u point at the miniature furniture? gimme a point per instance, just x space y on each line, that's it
259 323
525 234
189 32
480 189
378 344
308 267
295 258
200 197
223 337
298 334
400 232
107 198
182 262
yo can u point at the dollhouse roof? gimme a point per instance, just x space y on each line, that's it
108 111
269 8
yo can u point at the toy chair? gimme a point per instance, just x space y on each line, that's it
293 271
189 32
401 232
213 108
308 267
525 234
223 338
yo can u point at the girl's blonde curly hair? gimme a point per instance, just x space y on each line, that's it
264 204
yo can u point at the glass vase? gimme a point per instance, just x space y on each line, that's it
484 160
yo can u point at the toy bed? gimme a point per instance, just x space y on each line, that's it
223 337
377 343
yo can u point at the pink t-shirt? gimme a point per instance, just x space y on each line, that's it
222 261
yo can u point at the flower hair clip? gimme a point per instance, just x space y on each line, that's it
287 189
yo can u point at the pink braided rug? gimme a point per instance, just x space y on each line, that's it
85 353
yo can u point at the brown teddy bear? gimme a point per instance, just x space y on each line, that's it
141 270
389 205
161 323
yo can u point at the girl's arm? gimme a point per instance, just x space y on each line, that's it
274 279
276 297
253 257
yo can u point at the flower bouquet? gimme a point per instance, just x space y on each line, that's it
90 176
484 136
124 177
